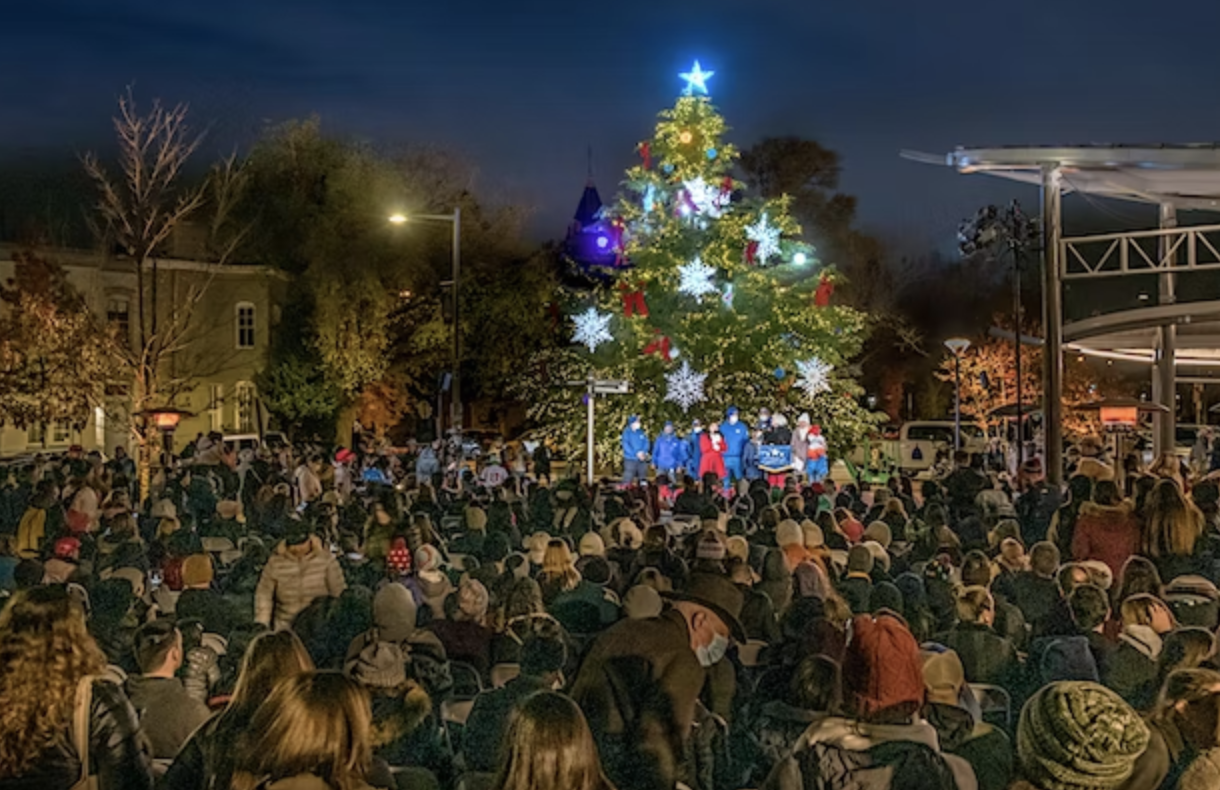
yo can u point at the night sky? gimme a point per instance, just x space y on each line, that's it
524 87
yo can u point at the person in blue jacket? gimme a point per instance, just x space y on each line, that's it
750 455
693 450
635 452
736 436
669 453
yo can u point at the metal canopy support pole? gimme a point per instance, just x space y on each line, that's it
1052 320
457 326
1164 382
589 429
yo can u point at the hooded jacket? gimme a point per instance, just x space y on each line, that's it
669 452
1107 533
634 442
736 435
168 715
290 583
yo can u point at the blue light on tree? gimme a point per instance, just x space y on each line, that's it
602 242
696 80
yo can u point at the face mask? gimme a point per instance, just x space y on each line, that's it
712 653
733 420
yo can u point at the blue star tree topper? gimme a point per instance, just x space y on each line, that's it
696 80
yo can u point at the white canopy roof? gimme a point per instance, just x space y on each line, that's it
1185 175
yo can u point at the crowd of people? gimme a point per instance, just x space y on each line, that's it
289 618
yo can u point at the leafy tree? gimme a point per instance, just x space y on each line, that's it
297 391
748 325
55 364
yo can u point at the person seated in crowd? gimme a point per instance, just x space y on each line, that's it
986 656
1132 669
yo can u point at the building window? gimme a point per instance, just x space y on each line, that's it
245 325
243 408
57 434
118 317
216 403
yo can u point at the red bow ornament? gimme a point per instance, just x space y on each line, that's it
659 346
646 153
826 289
633 300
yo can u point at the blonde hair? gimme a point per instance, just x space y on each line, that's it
973 603
1174 523
549 747
558 565
271 658
45 651
316 723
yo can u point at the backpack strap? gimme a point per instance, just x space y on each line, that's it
80 726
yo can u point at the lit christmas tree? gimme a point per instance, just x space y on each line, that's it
711 283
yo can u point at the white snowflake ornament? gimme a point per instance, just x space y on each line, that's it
708 200
696 278
684 386
592 329
767 238
813 376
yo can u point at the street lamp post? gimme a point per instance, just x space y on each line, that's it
957 346
455 418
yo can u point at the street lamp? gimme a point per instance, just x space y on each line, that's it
957 346
456 219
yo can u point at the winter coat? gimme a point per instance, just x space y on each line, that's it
289 584
988 750
669 452
749 462
168 715
711 455
837 753
1131 669
202 671
1035 596
986 656
694 450
773 733
118 750
634 443
800 447
1035 509
1110 534
489 719
427 465
736 437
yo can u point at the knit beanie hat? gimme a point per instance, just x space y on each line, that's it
881 667
812 535
427 558
197 571
710 548
789 532
473 600
738 548
880 555
1203 773
1079 736
943 672
885 595
880 532
394 613
380 665
594 569
592 545
642 602
860 559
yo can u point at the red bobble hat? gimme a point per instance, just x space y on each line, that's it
882 669
399 557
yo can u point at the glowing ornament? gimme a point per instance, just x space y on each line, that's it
711 153
592 329
767 238
602 242
684 386
685 138
780 373
800 259
696 278
813 376
650 198
705 198
696 80
667 168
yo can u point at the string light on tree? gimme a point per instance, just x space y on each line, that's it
766 237
696 80
592 329
813 376
684 386
696 278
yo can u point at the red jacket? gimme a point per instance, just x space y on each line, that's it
1110 534
711 457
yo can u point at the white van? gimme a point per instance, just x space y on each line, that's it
918 443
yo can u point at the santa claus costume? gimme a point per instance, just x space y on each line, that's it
817 462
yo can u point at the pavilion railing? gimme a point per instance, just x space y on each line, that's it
1195 248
